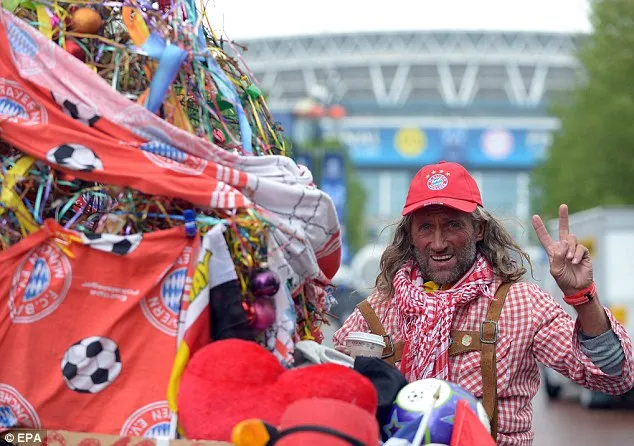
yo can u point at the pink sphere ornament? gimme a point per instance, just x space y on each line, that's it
265 283
73 48
264 314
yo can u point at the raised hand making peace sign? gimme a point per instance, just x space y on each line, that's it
570 263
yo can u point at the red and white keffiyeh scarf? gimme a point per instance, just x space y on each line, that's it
425 318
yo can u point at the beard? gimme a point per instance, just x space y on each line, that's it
462 261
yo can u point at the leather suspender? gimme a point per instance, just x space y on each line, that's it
393 351
483 341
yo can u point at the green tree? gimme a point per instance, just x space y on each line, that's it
591 160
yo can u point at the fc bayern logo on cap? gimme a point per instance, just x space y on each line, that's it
437 181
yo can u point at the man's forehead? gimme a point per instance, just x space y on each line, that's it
436 211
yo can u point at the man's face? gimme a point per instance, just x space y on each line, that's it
444 240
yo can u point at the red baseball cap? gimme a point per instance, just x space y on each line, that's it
444 184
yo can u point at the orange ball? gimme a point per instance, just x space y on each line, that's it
85 21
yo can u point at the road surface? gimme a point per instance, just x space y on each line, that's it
566 423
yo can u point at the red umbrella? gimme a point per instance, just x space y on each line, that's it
337 111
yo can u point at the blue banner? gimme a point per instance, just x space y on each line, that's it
286 120
307 160
333 183
474 147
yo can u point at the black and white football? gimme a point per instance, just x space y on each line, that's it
116 244
91 365
75 157
79 111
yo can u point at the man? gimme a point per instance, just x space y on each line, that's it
434 297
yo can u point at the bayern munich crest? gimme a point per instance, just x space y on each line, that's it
40 284
169 157
162 306
150 421
25 49
16 105
162 310
160 148
437 181
15 410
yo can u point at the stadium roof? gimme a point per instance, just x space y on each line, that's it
420 70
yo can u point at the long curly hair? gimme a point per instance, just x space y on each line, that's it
497 246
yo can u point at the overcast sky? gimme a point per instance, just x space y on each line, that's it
267 18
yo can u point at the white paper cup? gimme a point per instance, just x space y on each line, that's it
365 344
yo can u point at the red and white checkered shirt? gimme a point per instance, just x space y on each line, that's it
533 328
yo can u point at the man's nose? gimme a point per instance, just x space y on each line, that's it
439 242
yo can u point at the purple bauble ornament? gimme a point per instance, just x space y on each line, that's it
264 313
265 283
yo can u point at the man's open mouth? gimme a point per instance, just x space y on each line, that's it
444 258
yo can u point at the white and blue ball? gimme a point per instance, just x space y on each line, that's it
414 401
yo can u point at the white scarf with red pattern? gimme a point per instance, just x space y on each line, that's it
425 317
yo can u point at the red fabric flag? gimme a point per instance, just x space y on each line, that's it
468 430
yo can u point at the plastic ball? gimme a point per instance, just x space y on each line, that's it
415 399
265 283
264 314
73 48
86 21
165 5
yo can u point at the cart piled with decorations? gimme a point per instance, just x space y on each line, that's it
165 262
149 204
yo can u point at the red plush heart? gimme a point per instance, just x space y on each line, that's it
233 380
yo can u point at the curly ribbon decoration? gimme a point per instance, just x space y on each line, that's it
170 59
225 87
64 240
12 201
44 21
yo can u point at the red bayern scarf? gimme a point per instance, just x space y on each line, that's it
425 318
